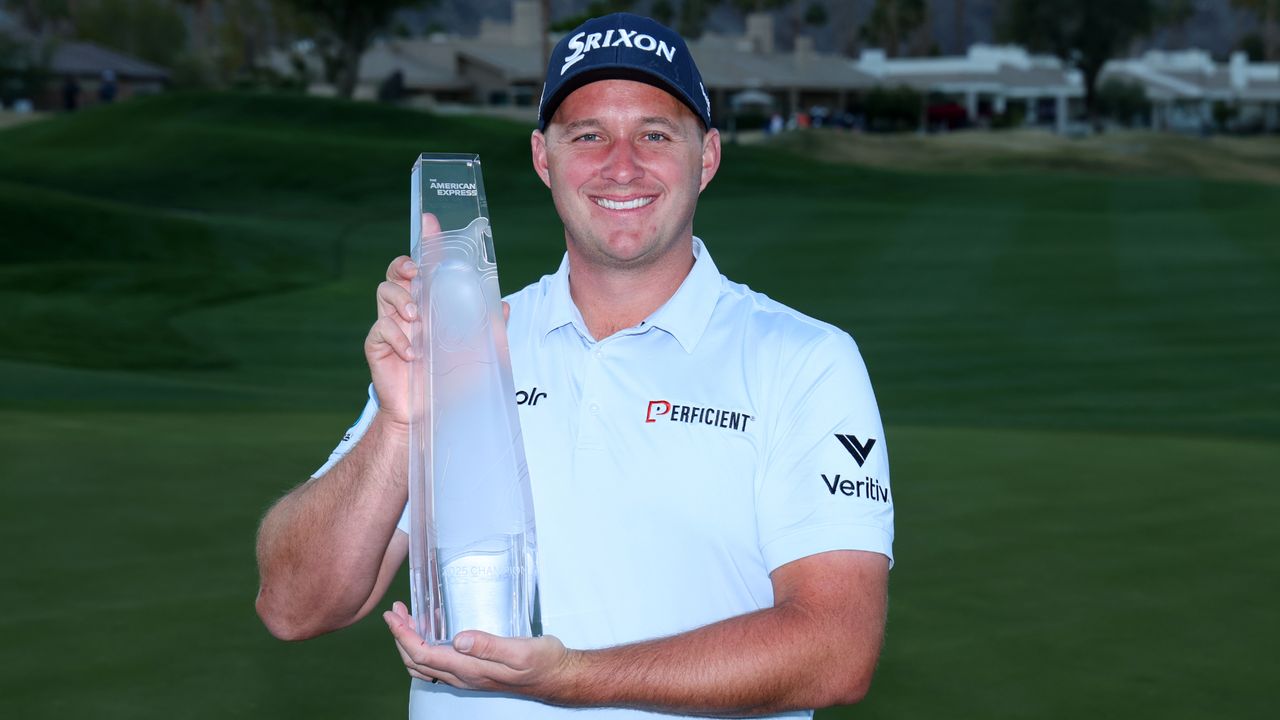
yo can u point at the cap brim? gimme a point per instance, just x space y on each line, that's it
613 71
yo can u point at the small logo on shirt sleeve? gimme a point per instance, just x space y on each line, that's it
859 451
868 488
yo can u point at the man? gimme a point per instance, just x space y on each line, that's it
709 473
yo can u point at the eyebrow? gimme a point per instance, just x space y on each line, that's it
659 120
577 125
594 123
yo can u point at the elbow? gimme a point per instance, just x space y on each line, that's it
846 688
282 624
853 693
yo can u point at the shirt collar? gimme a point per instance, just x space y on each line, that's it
685 315
560 308
688 312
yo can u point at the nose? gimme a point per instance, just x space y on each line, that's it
622 164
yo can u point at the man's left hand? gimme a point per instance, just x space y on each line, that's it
535 667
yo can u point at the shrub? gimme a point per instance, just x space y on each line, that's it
1123 101
893 109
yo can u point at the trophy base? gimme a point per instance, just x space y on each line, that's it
483 587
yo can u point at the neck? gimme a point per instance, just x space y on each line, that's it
612 299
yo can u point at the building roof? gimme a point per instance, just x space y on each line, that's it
726 65
517 63
1007 70
426 65
1194 75
85 58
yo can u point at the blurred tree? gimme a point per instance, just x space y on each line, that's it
150 29
893 109
24 68
195 67
961 28
846 24
756 6
595 8
353 24
1084 33
1253 46
816 15
544 18
1174 15
43 23
662 11
1124 101
41 18
244 23
892 23
1268 13
693 16
921 41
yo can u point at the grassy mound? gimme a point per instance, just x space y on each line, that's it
1117 152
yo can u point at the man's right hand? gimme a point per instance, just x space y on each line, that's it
388 347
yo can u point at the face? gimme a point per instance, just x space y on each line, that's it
625 162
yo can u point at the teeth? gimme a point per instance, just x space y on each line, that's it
628 205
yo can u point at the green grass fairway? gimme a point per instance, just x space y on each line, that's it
1077 373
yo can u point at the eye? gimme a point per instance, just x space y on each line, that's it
587 137
654 136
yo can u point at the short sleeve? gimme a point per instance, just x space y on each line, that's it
352 435
825 483
349 440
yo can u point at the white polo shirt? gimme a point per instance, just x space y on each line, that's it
677 463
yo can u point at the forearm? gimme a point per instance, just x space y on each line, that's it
320 548
816 647
773 660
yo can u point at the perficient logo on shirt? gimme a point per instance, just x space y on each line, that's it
694 414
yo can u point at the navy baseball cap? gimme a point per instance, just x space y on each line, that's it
623 46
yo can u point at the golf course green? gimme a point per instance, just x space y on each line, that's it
1079 375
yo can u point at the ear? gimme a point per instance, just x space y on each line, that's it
710 157
538 148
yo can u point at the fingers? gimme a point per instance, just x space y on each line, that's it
413 650
481 645
401 610
506 311
387 335
402 270
394 299
430 225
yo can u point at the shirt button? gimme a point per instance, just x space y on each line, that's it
594 408
599 353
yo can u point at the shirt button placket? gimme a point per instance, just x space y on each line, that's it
589 434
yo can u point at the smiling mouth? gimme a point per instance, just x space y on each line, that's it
632 204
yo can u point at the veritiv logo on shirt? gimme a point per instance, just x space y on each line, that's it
858 450
870 488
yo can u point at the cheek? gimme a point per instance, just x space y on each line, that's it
570 173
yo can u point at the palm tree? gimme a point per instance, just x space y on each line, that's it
1267 11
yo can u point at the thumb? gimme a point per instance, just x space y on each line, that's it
476 644
506 311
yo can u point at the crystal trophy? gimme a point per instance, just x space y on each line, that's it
472 543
